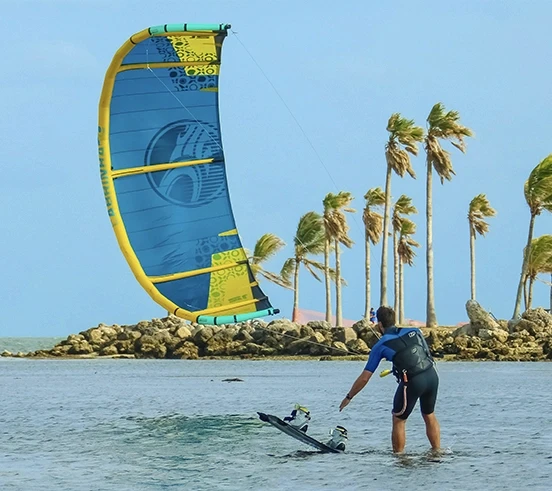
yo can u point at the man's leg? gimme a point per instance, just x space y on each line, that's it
398 435
433 430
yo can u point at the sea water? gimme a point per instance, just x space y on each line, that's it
120 424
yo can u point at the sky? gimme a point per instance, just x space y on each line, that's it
306 90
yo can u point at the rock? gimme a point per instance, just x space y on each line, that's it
319 345
183 333
188 351
479 317
369 335
109 351
299 346
339 349
319 325
80 347
244 336
465 330
358 346
362 325
124 347
202 335
501 335
345 334
149 347
306 331
253 349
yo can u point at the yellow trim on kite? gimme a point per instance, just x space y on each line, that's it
141 66
144 34
195 272
157 167
229 232
107 174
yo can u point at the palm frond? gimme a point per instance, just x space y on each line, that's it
444 125
408 227
405 247
540 256
403 206
538 187
311 265
375 197
286 273
373 225
266 247
402 132
310 235
479 209
274 278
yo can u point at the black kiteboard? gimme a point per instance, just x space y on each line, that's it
295 433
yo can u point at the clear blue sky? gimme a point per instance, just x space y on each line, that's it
342 68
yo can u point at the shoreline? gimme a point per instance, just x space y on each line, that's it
482 339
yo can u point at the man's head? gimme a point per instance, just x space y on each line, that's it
386 317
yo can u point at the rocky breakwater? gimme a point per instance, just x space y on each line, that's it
483 338
172 337
486 338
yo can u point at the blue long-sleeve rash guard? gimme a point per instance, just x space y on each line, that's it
381 350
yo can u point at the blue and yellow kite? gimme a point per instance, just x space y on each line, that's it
164 179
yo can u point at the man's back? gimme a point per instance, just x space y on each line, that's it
396 340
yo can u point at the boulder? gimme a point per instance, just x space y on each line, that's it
358 346
479 317
187 351
183 332
339 349
345 334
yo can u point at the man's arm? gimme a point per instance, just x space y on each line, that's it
358 385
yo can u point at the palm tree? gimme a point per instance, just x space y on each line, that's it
373 223
309 240
265 248
336 232
442 125
332 230
538 194
539 260
403 140
479 209
403 206
406 256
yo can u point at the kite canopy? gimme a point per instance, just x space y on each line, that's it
164 179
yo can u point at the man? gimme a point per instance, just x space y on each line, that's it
415 371
372 316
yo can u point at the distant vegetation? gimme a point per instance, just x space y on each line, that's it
323 233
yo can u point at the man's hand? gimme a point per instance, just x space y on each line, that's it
344 403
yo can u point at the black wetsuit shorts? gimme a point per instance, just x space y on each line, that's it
423 386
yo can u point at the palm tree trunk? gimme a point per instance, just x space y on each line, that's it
338 314
525 301
386 215
367 269
401 292
328 280
517 307
431 316
530 296
395 272
550 294
295 292
472 260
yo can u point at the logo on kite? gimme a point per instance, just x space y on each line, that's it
184 141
